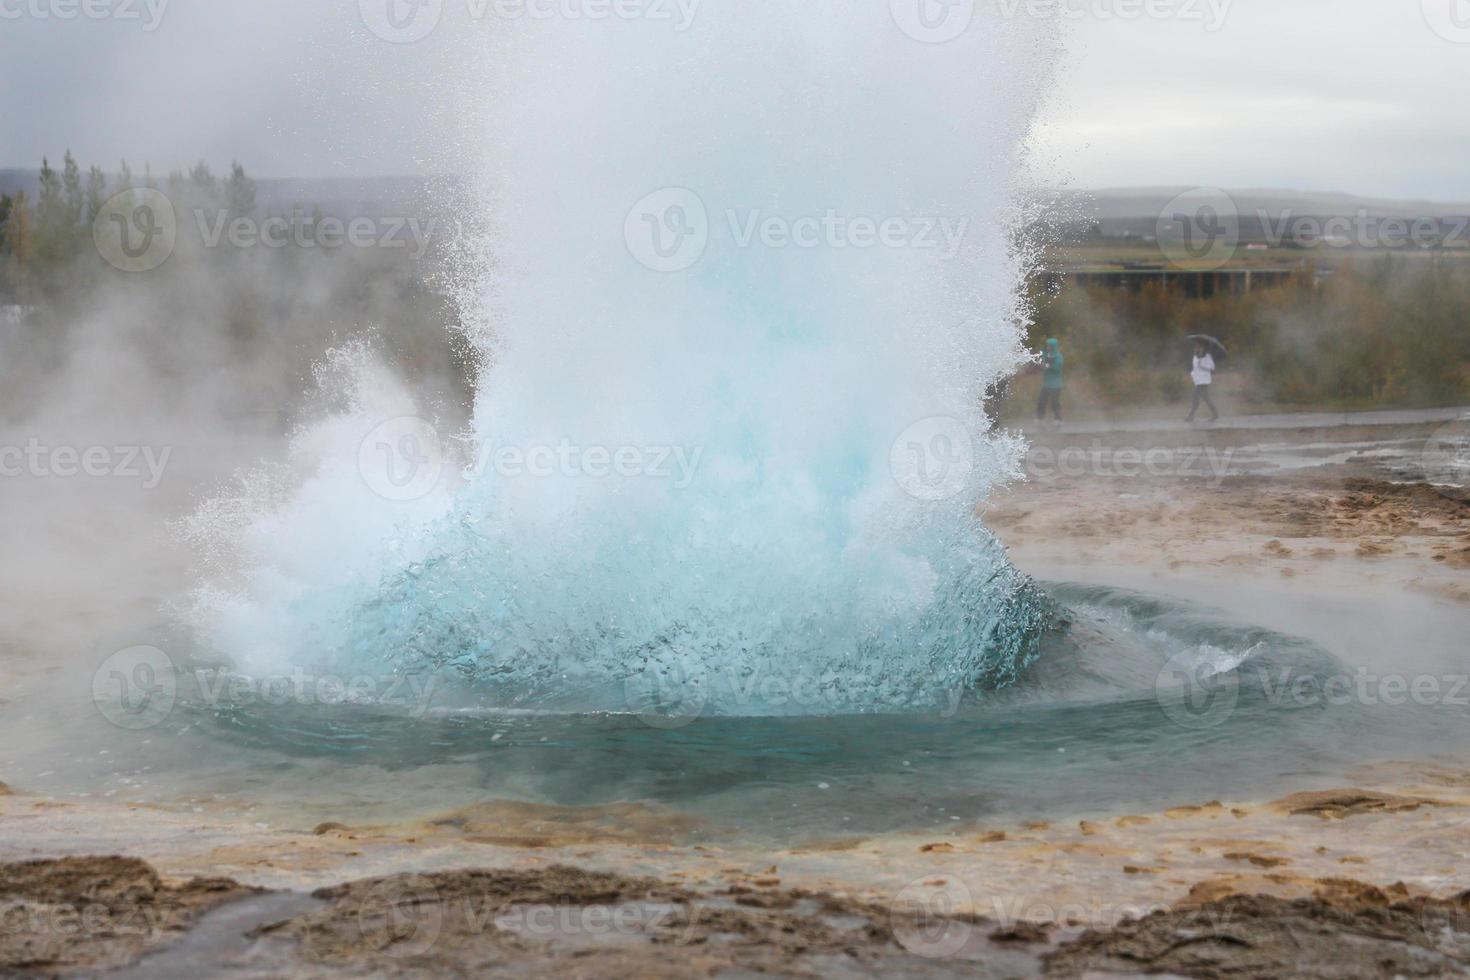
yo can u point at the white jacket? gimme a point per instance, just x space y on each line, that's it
1204 370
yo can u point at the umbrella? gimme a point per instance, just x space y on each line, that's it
1210 340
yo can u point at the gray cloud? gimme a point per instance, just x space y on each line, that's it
1352 95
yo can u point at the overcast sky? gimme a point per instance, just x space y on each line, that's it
1362 96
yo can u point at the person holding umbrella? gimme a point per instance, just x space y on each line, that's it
1202 373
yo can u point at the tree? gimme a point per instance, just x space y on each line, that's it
96 194
53 233
203 179
124 179
71 184
19 247
239 192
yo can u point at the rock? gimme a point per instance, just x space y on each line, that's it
124 907
1259 860
1021 934
1339 804
1262 936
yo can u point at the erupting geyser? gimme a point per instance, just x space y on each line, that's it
744 289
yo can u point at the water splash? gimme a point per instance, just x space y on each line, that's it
740 296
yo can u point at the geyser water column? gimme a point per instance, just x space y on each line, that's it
746 282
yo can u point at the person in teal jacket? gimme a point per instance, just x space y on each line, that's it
1051 381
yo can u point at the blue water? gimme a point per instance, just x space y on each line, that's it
1132 702
820 396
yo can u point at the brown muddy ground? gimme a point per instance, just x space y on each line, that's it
571 923
74 914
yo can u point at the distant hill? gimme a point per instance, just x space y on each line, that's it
339 197
1126 212
1135 211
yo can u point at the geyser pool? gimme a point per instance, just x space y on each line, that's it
776 243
